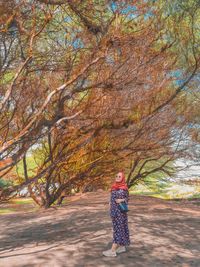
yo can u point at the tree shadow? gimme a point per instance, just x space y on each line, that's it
77 233
76 226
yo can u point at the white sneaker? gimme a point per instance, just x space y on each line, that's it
109 253
121 249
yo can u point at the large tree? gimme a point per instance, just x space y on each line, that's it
93 86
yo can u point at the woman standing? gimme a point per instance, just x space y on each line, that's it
119 193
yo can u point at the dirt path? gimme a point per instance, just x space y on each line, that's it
163 233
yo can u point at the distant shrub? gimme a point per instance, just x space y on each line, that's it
4 183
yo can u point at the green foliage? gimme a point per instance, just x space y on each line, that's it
7 78
31 167
4 183
152 172
180 23
166 189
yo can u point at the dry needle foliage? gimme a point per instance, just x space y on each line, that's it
91 87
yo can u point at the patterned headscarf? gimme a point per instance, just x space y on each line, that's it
120 185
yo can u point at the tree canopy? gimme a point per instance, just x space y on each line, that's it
91 87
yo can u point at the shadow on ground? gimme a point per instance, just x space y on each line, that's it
162 233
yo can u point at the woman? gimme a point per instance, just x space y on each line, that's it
119 193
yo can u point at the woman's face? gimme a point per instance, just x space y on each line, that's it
118 177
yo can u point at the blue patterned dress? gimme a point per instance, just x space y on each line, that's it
119 219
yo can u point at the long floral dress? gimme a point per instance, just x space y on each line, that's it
119 219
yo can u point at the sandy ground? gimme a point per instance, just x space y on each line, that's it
163 233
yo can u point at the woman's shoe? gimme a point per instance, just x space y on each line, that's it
121 249
109 253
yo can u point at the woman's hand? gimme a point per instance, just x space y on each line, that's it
119 200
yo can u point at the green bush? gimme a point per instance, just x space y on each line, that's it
4 184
